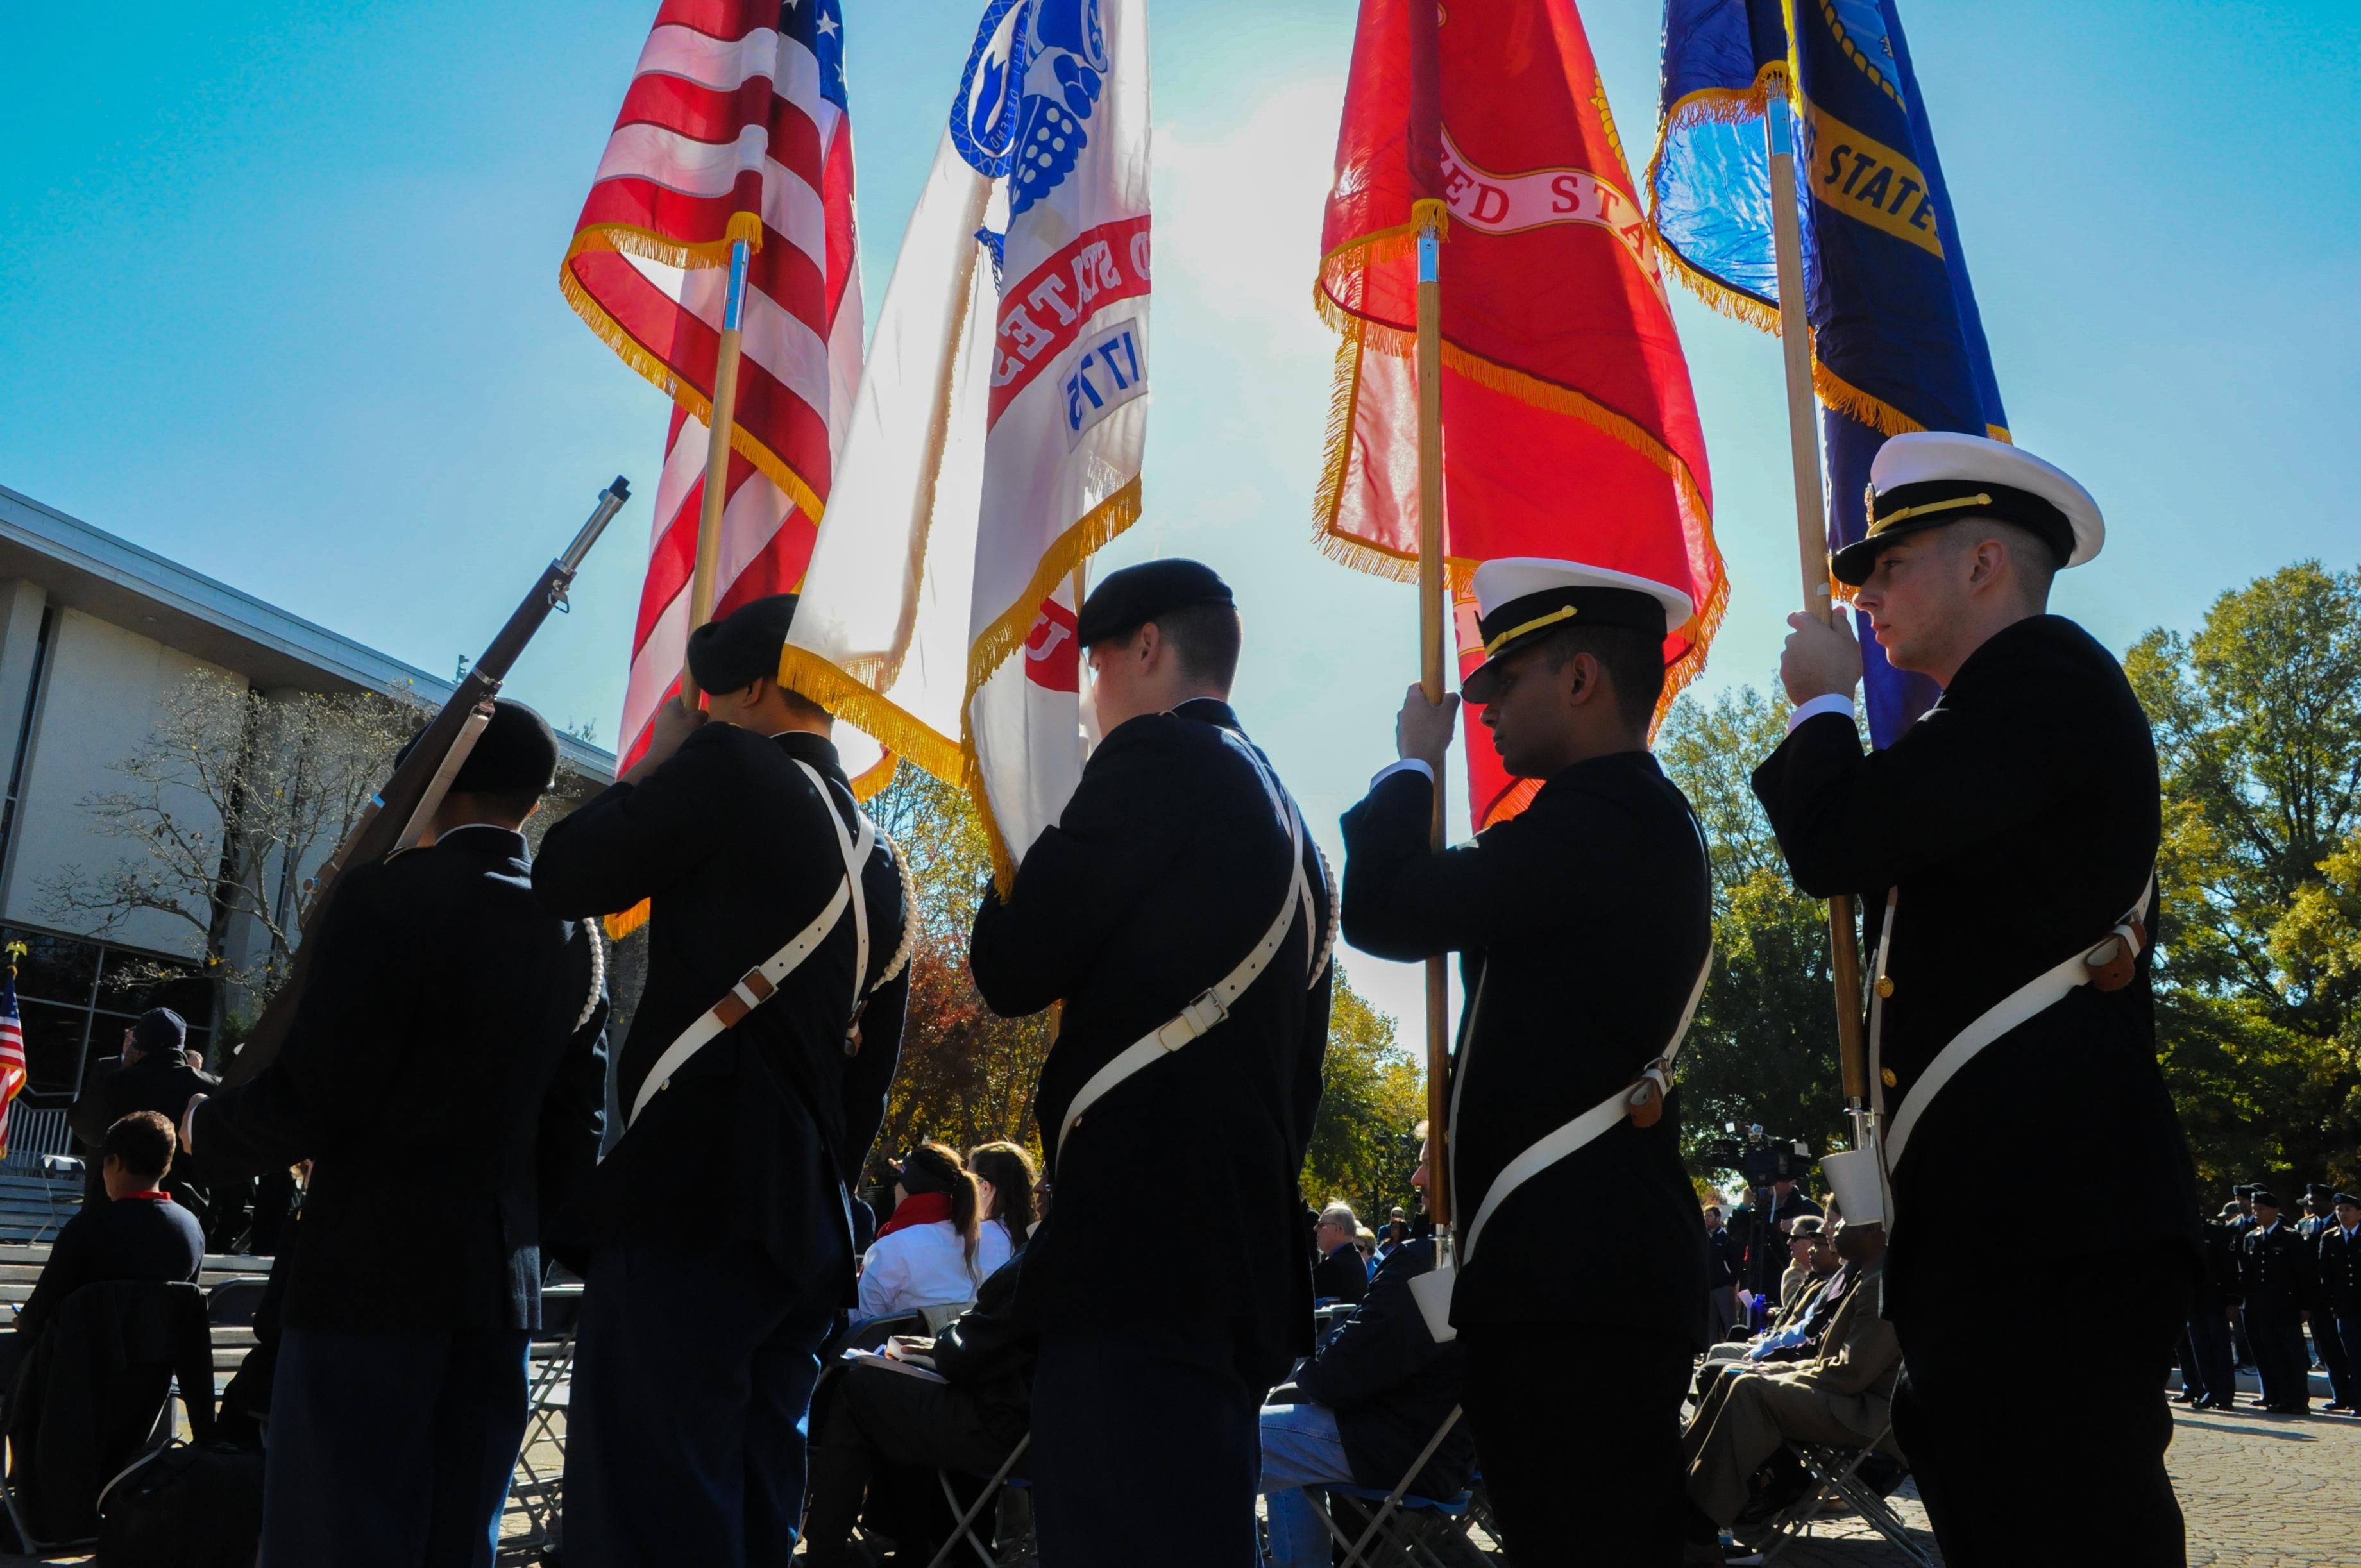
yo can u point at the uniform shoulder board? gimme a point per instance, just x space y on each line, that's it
405 850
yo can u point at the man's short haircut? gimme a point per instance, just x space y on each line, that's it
1341 1214
143 1141
2033 558
1206 638
1634 662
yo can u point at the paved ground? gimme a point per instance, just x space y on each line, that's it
2259 1491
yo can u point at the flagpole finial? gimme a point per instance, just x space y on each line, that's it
15 952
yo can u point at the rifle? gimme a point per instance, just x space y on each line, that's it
396 816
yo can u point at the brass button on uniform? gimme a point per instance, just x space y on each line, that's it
1885 985
1887 1074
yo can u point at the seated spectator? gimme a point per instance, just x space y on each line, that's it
1005 1179
1843 1395
153 1072
1360 1410
1810 1261
933 1251
138 1233
1365 1242
965 1420
1396 1232
1339 1276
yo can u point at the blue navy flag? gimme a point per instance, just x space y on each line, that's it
1897 342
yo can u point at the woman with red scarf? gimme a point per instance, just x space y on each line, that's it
930 1252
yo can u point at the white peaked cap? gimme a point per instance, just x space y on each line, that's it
1937 456
1497 583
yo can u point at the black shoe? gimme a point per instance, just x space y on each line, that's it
2209 1405
2186 1399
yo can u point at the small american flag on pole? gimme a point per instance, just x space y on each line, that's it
12 1044
733 128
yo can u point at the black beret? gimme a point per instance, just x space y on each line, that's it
729 654
160 1029
517 751
2345 1198
2269 1198
1126 600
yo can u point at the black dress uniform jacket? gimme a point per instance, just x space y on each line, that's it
2340 1270
1582 922
2020 818
445 1073
160 1081
1163 872
2276 1271
761 1135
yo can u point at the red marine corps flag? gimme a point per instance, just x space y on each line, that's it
1568 426
733 130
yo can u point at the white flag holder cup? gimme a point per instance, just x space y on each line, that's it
1856 1179
1431 1290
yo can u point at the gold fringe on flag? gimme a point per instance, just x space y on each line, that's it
1097 529
640 357
1357 336
1724 106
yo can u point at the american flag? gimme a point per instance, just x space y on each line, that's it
734 127
12 1051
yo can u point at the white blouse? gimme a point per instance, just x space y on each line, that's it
925 1265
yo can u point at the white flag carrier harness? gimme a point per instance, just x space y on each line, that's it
759 984
1213 1005
2037 995
1655 1081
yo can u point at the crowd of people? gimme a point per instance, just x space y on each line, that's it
445 1073
2270 1278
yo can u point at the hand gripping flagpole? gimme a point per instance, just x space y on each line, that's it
1811 542
721 417
1428 219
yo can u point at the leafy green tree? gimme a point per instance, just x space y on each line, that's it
2257 720
1373 1094
966 1077
1764 1046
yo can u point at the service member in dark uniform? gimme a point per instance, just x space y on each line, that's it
1583 925
2327 1347
718 1229
2339 1288
445 1074
2209 1381
152 1072
1166 905
2275 1277
2004 839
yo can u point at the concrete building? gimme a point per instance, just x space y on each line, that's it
96 636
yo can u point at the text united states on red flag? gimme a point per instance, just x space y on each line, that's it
734 127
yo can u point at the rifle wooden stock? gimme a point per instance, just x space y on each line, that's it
408 799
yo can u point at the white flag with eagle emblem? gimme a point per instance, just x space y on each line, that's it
996 439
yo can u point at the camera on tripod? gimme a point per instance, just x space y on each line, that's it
1761 1160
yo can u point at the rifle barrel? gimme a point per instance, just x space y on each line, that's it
417 784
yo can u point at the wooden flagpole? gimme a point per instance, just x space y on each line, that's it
1431 627
1811 543
723 416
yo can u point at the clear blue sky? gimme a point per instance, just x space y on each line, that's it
278 298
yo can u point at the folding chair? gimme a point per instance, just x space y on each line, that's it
964 1530
548 1392
231 1304
1837 1472
1388 1523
